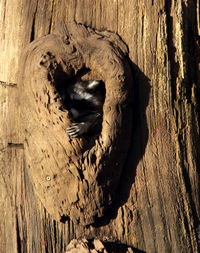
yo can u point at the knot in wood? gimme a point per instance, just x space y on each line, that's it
85 172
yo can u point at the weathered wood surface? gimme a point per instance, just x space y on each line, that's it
75 177
158 207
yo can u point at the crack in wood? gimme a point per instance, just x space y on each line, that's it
51 17
11 145
16 145
7 84
198 18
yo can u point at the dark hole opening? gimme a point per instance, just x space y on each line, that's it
83 99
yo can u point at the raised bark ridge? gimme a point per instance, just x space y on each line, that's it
75 177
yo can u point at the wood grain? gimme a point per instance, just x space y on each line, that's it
75 177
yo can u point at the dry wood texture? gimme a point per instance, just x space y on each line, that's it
75 177
158 195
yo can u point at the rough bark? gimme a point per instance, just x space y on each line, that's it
158 195
75 177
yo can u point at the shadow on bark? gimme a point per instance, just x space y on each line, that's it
139 140
120 248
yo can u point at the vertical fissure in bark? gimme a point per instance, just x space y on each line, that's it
174 66
19 239
190 50
33 23
191 60
51 18
192 47
198 16
33 29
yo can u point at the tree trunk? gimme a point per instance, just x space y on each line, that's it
157 209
